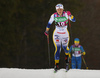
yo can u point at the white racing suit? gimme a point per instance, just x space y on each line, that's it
60 34
60 37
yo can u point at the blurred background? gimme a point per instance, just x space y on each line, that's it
22 25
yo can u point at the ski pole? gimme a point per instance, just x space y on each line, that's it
84 62
71 40
48 49
70 30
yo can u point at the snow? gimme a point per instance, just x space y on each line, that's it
47 73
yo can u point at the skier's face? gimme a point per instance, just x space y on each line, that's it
60 11
76 44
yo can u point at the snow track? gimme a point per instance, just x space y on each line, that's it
48 73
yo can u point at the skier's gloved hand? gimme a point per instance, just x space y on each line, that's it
68 13
83 53
46 33
71 16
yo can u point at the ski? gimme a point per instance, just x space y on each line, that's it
55 71
66 71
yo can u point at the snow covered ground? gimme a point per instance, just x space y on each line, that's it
47 73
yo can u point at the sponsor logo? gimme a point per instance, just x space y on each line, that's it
61 32
64 43
57 36
57 40
65 40
76 49
60 19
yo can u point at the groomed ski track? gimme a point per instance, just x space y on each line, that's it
47 73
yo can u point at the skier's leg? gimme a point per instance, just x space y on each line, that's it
66 49
65 42
73 60
79 61
57 44
57 54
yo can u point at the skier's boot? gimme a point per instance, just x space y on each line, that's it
67 65
67 62
56 67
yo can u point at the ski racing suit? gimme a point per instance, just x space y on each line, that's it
60 34
76 56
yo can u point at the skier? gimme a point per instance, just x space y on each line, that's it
77 51
60 34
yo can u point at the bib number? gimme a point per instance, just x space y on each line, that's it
61 23
77 52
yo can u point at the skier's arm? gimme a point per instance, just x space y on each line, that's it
83 52
70 16
50 22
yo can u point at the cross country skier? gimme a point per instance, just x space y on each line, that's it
77 51
60 34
